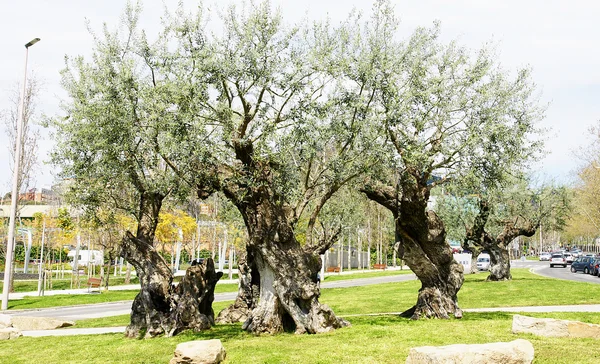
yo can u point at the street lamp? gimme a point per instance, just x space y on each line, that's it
10 244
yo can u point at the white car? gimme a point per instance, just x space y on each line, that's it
545 256
483 262
569 257
558 259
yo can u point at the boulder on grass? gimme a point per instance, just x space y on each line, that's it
5 321
199 352
554 328
9 333
514 352
24 323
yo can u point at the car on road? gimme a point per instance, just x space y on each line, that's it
483 262
596 267
545 256
456 247
569 257
582 264
558 259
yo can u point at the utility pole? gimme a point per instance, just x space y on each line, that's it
10 244
40 270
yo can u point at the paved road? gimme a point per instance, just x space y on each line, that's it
124 307
543 268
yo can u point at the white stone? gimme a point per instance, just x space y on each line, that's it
9 333
25 323
199 352
514 352
5 321
554 328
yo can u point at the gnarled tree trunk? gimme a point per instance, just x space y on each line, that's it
286 272
433 263
248 290
497 246
499 263
422 239
288 294
160 308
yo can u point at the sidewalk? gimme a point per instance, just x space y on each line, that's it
130 287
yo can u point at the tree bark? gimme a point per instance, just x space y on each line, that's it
422 245
288 294
285 271
499 264
161 308
498 246
248 290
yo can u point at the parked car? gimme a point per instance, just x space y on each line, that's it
456 247
545 256
596 267
569 257
483 262
558 259
583 264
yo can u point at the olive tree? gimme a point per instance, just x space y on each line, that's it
491 220
449 115
115 143
288 105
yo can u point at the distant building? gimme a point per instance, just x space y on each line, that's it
26 211
39 195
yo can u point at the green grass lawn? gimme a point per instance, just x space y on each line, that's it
60 284
70 300
332 277
94 297
82 299
371 339
381 339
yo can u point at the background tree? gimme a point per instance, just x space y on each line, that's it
445 111
584 223
492 221
31 134
29 142
171 224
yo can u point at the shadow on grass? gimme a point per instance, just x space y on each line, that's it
224 332
484 316
394 319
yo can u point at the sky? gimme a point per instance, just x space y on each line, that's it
557 39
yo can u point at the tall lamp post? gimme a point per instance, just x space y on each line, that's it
10 244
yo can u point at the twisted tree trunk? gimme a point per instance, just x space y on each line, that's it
248 290
499 263
422 242
161 308
432 262
497 246
286 272
288 294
